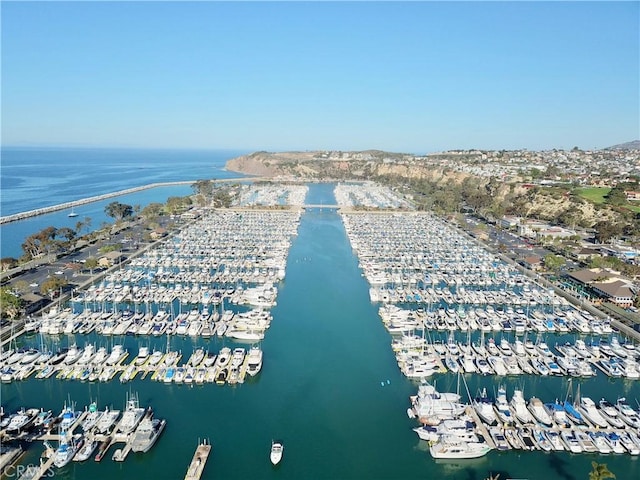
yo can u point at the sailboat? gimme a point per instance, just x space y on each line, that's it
72 213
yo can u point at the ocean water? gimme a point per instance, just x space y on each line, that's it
38 177
329 388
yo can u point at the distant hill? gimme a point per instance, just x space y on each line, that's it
635 145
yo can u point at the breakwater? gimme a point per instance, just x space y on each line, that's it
83 201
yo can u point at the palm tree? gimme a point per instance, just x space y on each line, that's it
491 477
600 472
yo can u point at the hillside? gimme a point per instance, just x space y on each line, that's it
634 145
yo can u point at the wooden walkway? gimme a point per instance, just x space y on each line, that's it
198 462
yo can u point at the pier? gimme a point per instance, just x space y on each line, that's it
198 461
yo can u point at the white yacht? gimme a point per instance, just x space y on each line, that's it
254 360
143 356
224 357
107 420
100 356
610 414
431 405
571 441
22 420
117 355
155 357
502 407
456 449
628 414
73 355
484 408
519 407
589 410
132 415
147 433
92 418
86 451
536 407
66 450
277 449
87 354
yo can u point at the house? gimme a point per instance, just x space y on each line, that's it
532 262
588 276
631 195
158 233
606 284
509 221
586 253
618 292
111 258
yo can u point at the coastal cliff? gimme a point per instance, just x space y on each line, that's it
330 164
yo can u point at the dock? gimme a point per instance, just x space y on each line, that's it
8 456
199 461
480 426
36 473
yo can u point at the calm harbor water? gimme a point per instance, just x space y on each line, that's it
329 388
39 177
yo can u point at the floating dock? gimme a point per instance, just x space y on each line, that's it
35 473
198 462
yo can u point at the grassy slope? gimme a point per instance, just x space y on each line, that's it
593 194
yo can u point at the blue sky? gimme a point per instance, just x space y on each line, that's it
413 77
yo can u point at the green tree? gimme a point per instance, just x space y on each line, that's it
66 233
222 198
617 196
7 263
39 243
554 262
52 285
118 211
9 303
91 263
113 247
177 204
203 187
20 287
606 230
152 211
599 471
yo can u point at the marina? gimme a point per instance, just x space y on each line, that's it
518 425
325 384
79 435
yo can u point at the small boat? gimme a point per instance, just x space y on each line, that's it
92 418
133 414
67 450
444 449
86 451
146 434
277 448
107 420
254 363
104 446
